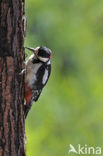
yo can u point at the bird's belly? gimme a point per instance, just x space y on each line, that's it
31 76
31 79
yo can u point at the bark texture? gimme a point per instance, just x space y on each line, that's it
12 124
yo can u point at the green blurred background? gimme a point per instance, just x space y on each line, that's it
70 109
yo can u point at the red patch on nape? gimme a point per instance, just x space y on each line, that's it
50 56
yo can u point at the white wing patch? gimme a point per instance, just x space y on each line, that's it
48 62
45 77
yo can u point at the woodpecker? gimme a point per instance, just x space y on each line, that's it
37 72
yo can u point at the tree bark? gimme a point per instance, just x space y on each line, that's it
12 123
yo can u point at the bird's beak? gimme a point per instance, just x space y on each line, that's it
31 49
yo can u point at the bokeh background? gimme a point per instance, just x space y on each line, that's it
70 109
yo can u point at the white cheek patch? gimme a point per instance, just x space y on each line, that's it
43 59
45 77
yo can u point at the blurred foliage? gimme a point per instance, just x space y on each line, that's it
70 109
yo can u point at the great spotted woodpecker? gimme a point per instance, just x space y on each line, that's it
37 72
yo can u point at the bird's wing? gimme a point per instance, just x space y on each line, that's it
36 94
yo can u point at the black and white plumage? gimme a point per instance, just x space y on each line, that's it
37 72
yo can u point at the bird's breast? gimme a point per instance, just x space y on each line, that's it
31 73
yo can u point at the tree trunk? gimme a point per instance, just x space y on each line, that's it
12 123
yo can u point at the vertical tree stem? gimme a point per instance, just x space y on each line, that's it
12 123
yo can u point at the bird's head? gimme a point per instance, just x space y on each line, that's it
44 54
